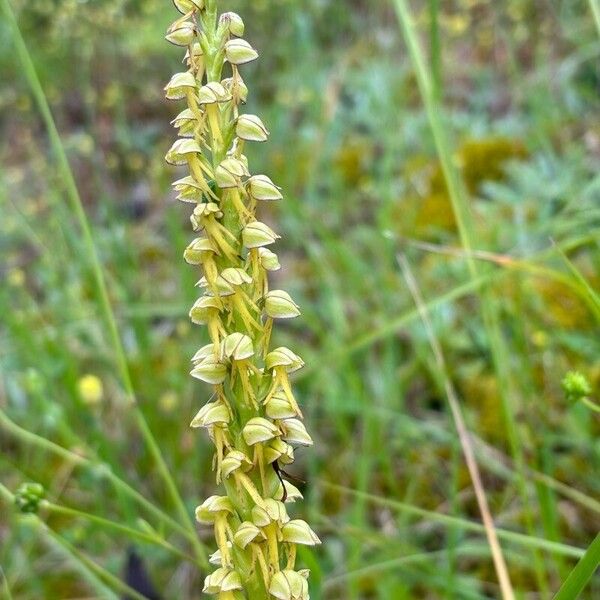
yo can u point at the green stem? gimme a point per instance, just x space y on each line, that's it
132 533
99 577
104 471
464 524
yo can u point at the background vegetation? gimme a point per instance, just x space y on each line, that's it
386 484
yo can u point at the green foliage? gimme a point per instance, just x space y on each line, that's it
386 488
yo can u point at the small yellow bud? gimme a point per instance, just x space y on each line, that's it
90 389
168 401
16 277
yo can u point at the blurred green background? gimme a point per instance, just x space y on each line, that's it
352 148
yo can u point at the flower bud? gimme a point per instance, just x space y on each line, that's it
202 353
247 532
283 357
212 507
237 346
189 189
204 309
213 413
257 234
237 88
260 187
268 260
216 558
179 84
182 35
210 372
213 92
251 129
234 23
279 305
195 51
295 433
298 531
239 52
28 497
259 430
193 254
229 171
206 209
233 461
223 579
186 6
235 276
223 288
277 449
272 511
181 150
289 585
186 122
279 407
292 493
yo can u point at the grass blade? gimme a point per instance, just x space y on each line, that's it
581 574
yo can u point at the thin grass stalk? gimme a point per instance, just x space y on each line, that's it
98 577
460 206
252 418
528 541
463 434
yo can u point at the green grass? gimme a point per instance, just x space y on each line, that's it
364 111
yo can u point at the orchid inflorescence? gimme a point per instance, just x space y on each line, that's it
253 418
